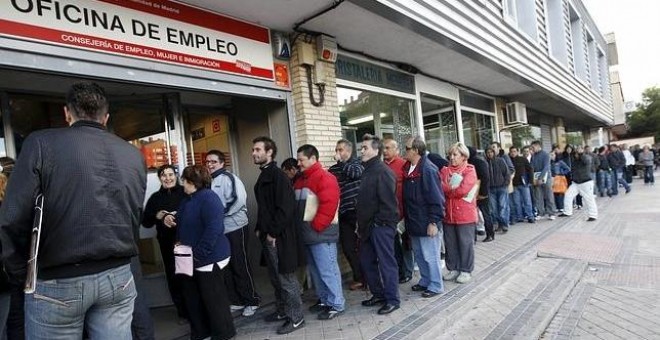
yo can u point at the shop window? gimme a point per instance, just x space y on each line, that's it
478 129
384 115
440 131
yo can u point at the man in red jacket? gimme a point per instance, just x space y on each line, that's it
402 246
320 232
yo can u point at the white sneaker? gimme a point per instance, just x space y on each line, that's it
250 310
451 275
552 217
464 277
235 308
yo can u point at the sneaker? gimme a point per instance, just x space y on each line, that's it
464 277
531 220
329 313
290 326
235 308
591 219
564 215
317 307
451 275
275 316
250 310
551 217
536 218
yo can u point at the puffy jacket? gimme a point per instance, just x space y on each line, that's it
324 185
422 197
94 186
457 210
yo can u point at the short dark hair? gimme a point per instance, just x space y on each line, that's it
290 163
87 101
165 167
269 144
219 154
309 150
496 143
376 142
536 142
346 142
198 175
419 145
513 147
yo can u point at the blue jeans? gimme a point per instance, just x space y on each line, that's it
101 302
617 178
604 183
499 206
648 174
427 253
324 270
522 203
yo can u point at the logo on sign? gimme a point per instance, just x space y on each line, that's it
216 125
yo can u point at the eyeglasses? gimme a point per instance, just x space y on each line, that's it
408 148
211 162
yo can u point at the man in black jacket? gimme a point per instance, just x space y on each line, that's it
618 164
377 217
582 184
276 230
93 184
483 175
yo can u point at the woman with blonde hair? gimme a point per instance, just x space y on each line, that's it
459 183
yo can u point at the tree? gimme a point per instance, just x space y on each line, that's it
522 136
645 120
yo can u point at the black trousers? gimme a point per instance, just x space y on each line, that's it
238 275
166 242
349 242
484 206
207 303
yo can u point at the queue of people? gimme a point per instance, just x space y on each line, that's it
386 211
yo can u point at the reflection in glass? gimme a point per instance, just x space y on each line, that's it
439 123
364 112
478 129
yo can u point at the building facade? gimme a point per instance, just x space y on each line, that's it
189 76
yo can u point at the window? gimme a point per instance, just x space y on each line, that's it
594 78
578 44
557 31
376 113
478 129
440 130
522 13
604 79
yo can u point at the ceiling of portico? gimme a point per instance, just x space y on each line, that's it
358 29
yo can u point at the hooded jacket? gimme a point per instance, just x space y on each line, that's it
232 193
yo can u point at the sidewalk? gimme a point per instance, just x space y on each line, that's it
559 279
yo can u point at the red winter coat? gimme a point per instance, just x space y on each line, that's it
457 210
324 185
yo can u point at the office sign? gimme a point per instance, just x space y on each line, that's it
366 73
159 30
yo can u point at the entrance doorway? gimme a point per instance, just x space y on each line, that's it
169 125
